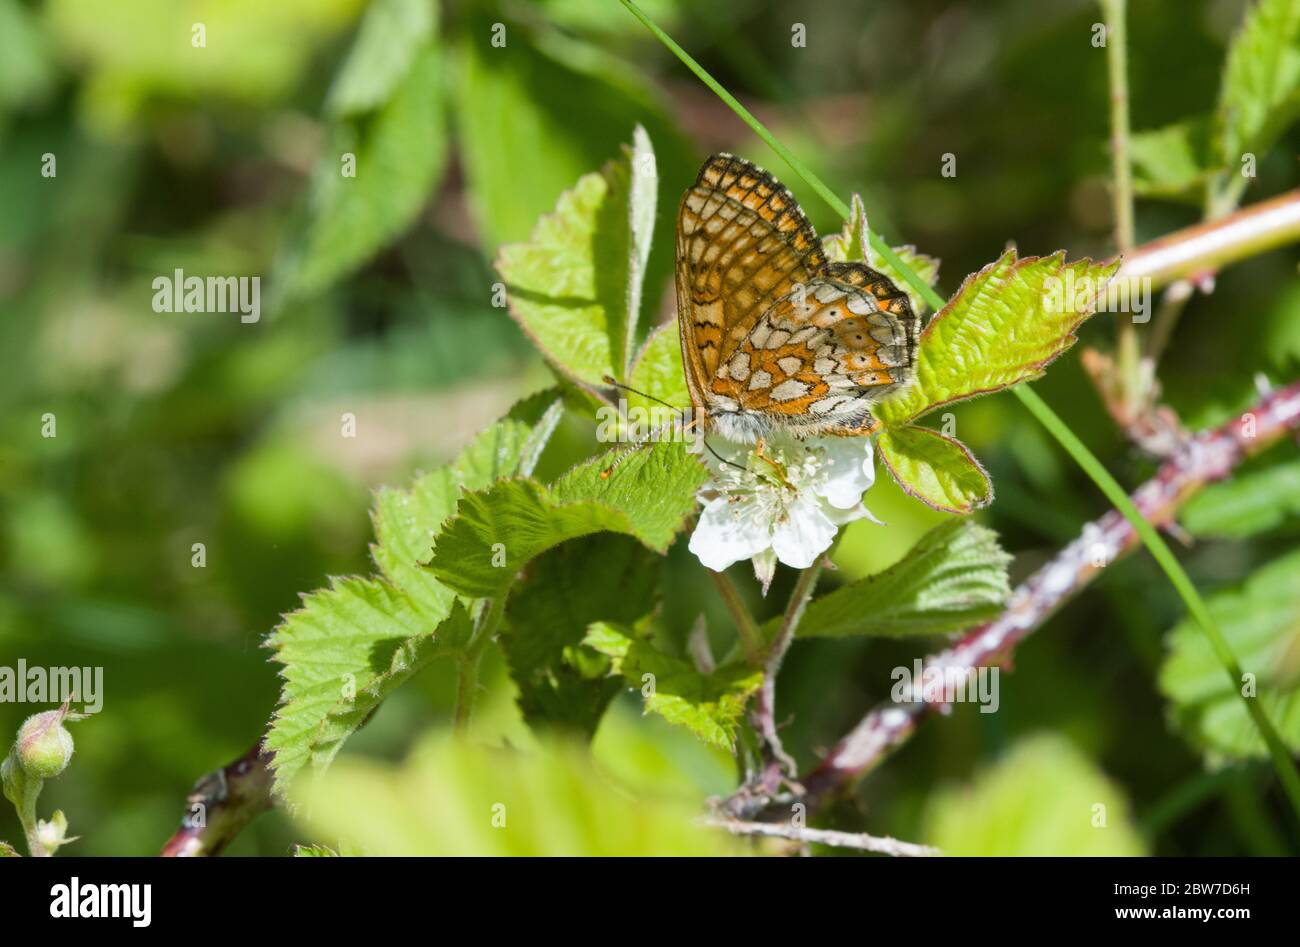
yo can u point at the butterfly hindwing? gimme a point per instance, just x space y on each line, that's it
819 357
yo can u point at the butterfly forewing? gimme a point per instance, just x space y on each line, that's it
742 243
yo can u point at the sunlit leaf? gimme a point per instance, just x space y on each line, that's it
1003 327
657 370
342 653
647 492
406 520
576 286
936 469
1260 92
954 577
458 798
1042 798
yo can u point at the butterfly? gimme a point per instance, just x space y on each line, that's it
776 337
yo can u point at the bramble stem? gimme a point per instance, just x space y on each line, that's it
765 704
855 840
221 804
489 618
1128 353
751 639
1208 246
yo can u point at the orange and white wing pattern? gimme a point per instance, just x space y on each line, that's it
742 243
774 336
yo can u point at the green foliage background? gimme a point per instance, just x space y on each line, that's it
183 428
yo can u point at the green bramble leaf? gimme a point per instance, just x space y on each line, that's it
353 644
596 578
642 193
1260 92
406 520
954 577
575 287
451 797
851 244
400 152
1003 327
1248 504
657 370
646 491
1176 159
342 653
1261 622
709 705
1042 798
391 35
938 470
8 851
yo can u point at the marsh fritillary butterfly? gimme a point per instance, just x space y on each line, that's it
775 336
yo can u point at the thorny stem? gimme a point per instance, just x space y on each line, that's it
751 638
221 804
855 840
1205 458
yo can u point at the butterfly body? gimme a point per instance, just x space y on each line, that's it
774 336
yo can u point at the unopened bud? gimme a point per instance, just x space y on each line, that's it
44 744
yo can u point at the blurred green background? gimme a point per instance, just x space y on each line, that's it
174 429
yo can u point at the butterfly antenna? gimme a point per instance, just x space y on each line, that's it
707 446
636 391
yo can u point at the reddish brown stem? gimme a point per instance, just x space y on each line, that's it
221 804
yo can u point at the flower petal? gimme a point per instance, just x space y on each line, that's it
764 568
727 533
847 473
803 534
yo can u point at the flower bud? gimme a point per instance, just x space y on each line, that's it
44 744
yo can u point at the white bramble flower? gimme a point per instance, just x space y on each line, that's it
783 504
